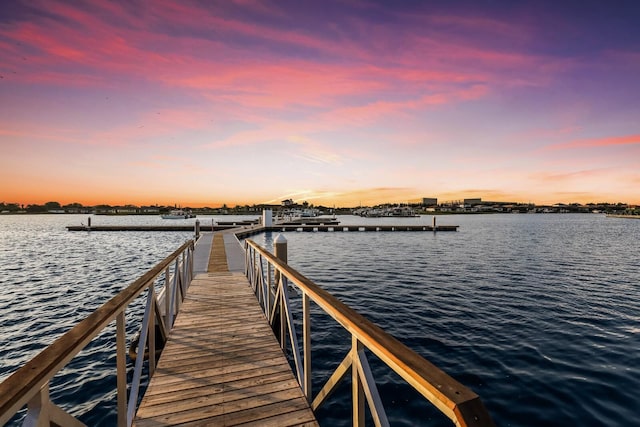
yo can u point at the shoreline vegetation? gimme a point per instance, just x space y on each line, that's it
470 206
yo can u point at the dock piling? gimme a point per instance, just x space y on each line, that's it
280 247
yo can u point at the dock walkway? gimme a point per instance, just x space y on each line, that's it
222 365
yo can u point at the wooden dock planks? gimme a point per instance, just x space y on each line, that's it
222 365
218 256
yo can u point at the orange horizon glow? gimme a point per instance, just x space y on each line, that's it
359 198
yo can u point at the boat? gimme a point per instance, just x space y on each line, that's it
304 217
396 212
178 214
309 221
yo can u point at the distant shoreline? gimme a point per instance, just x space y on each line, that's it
210 213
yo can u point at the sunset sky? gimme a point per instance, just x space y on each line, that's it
333 102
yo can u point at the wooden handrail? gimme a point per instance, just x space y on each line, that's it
453 399
23 384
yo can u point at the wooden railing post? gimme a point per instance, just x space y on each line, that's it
357 390
167 297
189 276
269 296
121 368
142 344
283 320
38 409
152 331
306 344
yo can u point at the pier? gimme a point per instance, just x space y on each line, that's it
228 315
254 227
222 364
259 229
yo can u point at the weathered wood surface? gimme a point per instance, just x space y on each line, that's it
218 256
222 365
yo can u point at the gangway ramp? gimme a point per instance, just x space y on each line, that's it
222 365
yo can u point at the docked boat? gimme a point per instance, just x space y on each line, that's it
304 217
178 214
310 221
396 212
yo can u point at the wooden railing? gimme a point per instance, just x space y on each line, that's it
270 278
29 385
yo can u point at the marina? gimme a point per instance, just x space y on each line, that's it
481 342
319 213
268 224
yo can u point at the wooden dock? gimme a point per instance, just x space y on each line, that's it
337 228
203 227
254 229
222 364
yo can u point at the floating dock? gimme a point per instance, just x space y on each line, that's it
222 364
260 229
362 228
148 227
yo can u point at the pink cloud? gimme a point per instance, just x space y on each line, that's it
137 48
206 20
390 111
480 25
611 141
344 92
555 177
29 132
280 84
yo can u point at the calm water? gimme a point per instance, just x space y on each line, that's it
539 314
